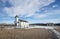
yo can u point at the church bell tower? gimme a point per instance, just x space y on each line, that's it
17 21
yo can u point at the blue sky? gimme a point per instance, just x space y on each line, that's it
34 11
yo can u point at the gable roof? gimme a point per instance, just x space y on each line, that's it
23 20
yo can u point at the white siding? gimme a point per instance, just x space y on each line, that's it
24 25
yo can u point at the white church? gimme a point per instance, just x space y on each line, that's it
21 23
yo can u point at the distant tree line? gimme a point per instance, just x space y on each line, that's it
43 24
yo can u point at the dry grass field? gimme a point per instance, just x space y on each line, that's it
58 29
24 34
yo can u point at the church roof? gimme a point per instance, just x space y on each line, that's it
16 16
23 20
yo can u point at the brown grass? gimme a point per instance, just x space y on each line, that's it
24 34
58 29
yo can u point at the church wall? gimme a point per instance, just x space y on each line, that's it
26 24
23 24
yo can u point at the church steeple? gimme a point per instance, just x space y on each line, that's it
16 16
16 20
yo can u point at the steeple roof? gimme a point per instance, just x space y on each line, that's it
16 16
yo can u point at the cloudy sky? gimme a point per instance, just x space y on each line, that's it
34 11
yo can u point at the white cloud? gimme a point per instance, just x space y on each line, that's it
26 8
46 14
37 16
52 21
53 12
45 21
54 6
